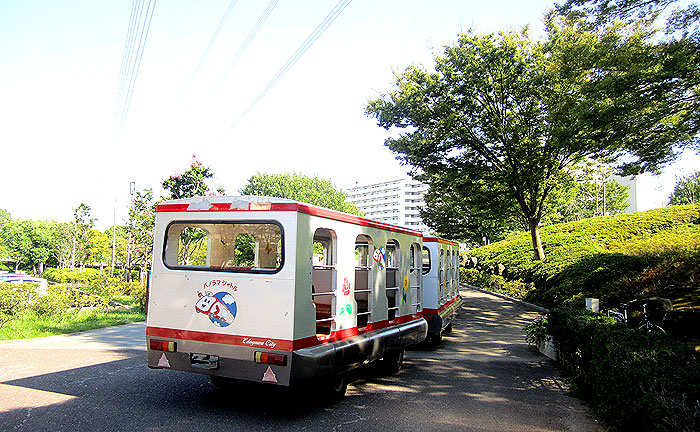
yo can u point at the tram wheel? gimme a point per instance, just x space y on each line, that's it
391 363
334 389
436 338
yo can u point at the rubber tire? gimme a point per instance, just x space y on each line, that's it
333 391
653 328
392 363
435 338
448 329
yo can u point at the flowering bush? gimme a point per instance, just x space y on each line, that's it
536 329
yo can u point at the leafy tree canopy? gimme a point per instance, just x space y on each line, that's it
687 190
311 190
191 183
503 119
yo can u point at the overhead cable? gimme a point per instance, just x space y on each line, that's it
126 56
320 29
253 32
143 37
211 42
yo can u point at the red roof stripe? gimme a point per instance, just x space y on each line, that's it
439 240
297 207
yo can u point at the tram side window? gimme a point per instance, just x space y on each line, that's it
363 279
393 259
414 284
441 276
448 277
323 279
227 246
426 260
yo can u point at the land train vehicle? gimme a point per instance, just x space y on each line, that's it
278 291
441 298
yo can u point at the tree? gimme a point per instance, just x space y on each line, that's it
311 190
646 81
190 183
121 244
506 118
99 247
590 191
28 242
82 224
687 190
62 252
141 226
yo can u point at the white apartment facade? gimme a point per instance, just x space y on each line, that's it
396 202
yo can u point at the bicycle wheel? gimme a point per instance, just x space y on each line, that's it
651 328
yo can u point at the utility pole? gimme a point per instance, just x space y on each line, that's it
114 237
127 275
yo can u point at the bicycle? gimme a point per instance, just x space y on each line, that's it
653 313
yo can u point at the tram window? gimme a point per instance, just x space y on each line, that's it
441 275
363 280
426 260
224 246
393 260
323 277
414 282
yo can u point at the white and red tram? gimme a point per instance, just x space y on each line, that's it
274 290
441 298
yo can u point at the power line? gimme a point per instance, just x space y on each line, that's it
211 42
253 32
320 29
126 57
137 61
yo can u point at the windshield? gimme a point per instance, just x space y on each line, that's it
225 246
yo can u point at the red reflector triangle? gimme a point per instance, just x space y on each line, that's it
269 376
163 362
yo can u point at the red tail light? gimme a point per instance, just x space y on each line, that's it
270 358
163 345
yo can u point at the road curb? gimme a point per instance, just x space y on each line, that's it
505 297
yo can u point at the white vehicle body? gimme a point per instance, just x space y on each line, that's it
441 298
273 290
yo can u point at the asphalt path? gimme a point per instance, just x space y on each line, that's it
482 377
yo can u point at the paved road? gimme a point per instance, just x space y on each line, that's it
483 377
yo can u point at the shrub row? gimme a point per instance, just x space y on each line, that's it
615 258
103 283
634 380
495 283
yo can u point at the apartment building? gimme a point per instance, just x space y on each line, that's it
396 202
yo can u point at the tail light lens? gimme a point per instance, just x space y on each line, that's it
163 345
271 358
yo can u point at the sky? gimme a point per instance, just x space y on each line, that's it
61 106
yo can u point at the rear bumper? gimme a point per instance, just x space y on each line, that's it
444 316
305 364
337 357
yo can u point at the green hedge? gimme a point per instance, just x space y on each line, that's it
634 380
496 283
615 258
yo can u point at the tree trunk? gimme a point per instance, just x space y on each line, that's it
536 240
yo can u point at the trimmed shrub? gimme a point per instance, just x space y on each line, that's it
511 288
75 276
614 258
15 299
635 380
54 304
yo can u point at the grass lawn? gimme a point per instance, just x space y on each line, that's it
31 325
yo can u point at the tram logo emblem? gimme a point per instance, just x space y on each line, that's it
380 257
221 307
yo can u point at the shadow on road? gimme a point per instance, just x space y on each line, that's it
483 377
